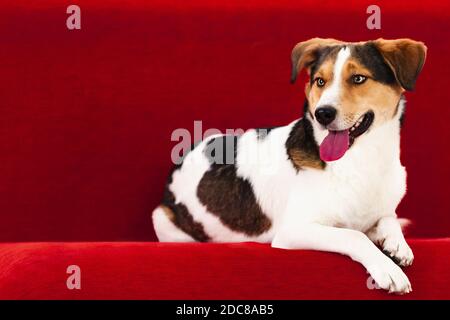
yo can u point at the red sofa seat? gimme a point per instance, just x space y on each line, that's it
140 270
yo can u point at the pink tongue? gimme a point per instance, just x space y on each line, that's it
334 145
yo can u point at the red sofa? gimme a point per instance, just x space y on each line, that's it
86 118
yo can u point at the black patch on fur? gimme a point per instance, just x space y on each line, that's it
370 57
232 200
182 218
302 148
402 116
322 55
306 109
222 150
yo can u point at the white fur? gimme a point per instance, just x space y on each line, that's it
331 95
329 210
167 231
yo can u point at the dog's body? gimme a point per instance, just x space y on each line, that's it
328 182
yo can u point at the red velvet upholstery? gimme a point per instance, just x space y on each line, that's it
86 118
140 270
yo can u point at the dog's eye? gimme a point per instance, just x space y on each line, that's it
320 82
358 79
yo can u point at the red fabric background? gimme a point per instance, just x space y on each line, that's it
206 271
86 116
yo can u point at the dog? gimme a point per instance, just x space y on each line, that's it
329 181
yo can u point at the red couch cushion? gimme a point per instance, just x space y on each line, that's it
87 115
206 271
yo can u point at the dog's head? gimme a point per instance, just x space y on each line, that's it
354 87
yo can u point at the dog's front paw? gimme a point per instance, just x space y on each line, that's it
390 277
398 250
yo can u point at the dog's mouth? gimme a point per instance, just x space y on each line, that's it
361 126
336 143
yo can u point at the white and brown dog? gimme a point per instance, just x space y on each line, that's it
330 181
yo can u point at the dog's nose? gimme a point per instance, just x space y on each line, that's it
325 115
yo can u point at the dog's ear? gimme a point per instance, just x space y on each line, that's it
306 53
405 57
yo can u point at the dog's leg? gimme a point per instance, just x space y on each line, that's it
349 242
387 233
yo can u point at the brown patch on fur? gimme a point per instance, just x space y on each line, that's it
325 71
306 52
405 57
302 148
179 214
355 100
169 213
354 67
232 200
301 160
